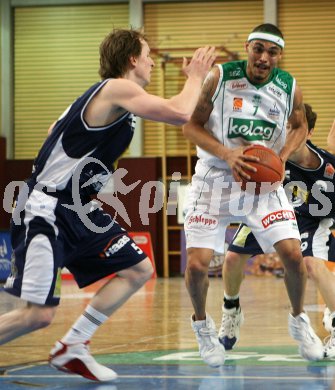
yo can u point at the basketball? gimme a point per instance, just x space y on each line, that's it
269 169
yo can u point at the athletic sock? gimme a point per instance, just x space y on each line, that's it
85 326
230 302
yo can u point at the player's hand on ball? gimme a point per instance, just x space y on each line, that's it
270 169
240 163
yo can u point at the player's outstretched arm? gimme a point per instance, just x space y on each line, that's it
51 127
331 139
176 110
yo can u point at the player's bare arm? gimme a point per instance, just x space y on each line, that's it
195 130
51 127
121 95
297 125
331 138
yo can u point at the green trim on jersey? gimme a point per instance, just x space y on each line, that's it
283 80
235 70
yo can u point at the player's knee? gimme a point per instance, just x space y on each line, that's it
195 265
147 271
309 267
314 267
291 256
142 273
44 318
39 317
231 260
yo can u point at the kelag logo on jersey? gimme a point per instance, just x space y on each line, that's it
251 129
281 82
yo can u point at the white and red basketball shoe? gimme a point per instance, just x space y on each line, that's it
76 359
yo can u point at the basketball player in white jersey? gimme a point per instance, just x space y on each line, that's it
244 103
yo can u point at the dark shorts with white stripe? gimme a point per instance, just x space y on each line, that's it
48 236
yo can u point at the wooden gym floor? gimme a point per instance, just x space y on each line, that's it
150 344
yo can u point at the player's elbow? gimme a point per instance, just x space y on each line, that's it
178 114
187 130
181 118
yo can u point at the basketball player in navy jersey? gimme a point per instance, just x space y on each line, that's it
309 182
47 230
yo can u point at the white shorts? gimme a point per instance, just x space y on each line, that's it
215 200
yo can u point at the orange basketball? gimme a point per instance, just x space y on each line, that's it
269 169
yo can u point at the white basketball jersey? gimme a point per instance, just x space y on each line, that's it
244 113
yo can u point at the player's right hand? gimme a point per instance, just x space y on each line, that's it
201 62
238 163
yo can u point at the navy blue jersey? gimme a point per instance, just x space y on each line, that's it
75 147
311 191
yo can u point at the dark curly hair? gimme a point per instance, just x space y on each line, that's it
269 28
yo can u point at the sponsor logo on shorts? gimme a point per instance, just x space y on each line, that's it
120 243
278 216
202 221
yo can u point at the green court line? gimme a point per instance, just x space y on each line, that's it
251 356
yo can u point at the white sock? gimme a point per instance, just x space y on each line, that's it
85 326
230 297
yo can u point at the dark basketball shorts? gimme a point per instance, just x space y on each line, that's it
47 236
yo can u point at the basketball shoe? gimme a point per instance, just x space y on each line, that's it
210 349
229 332
310 346
76 359
329 350
327 320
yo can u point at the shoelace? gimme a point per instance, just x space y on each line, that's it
230 321
329 341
